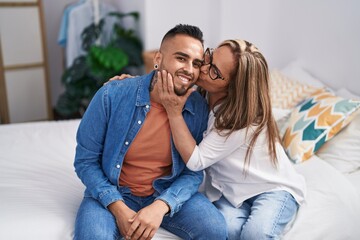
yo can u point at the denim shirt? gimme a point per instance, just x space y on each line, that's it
109 126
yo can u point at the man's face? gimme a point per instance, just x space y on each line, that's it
181 56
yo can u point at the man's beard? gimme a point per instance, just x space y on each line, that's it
178 91
182 91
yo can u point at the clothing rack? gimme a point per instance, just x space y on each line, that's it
96 9
84 13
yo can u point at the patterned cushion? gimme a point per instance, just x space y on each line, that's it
286 93
315 121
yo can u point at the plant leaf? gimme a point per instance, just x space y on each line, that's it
111 58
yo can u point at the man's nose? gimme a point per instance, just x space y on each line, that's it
189 67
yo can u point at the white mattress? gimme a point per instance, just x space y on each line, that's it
40 192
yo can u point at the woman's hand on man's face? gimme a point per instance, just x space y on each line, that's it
168 98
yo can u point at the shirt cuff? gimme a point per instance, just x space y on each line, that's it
109 197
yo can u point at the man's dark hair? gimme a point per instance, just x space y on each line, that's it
185 29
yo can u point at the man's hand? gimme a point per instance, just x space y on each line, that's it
147 221
121 77
122 214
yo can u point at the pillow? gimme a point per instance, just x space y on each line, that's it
343 151
294 70
314 122
286 93
281 116
280 113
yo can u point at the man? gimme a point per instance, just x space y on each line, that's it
135 179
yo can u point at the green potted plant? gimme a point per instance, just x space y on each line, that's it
89 72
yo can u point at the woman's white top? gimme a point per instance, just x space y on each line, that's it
223 158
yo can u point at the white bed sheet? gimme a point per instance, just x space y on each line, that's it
332 210
354 178
40 192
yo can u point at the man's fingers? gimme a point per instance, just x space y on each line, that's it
146 233
139 232
151 235
132 229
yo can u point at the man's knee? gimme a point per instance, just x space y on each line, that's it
214 225
216 231
93 221
95 232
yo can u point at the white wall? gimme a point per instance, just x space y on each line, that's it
323 34
126 6
162 15
52 14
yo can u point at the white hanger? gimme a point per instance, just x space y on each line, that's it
96 10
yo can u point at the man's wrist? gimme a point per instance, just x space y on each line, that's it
165 208
117 206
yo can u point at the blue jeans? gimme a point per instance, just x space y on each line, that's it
197 219
264 216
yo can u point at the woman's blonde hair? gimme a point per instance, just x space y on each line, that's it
248 100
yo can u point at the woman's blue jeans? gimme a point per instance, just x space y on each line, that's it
264 216
197 219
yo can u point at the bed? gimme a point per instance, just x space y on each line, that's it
40 192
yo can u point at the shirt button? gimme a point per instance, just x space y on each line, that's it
126 143
147 106
118 166
139 122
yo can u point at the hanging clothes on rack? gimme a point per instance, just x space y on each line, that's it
62 37
96 11
79 16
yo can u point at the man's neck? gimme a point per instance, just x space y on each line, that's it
154 96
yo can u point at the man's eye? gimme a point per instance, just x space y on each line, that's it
181 59
197 64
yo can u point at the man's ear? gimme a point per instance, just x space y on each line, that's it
157 58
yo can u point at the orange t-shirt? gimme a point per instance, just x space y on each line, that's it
149 156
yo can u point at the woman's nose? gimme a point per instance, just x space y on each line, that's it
205 68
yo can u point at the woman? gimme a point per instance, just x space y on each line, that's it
249 177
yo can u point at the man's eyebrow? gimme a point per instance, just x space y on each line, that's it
198 61
182 54
187 56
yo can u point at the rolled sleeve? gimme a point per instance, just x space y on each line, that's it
108 197
194 162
